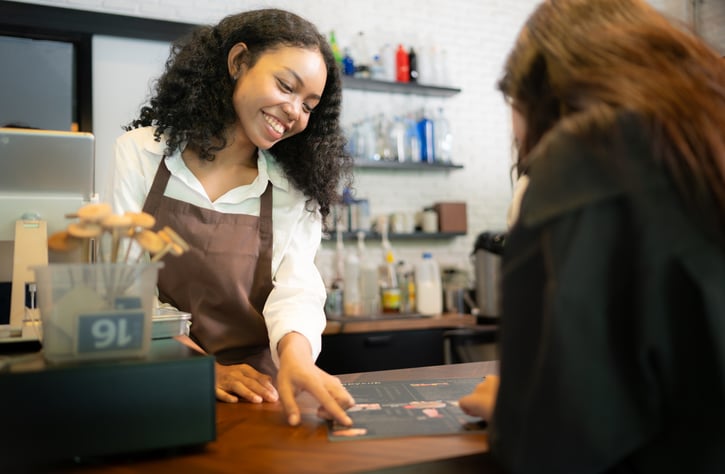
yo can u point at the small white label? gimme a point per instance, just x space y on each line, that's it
116 330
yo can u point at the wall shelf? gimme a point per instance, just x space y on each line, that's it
405 165
375 85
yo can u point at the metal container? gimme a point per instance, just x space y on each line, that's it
455 285
486 255
169 322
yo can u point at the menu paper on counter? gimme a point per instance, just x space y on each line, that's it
407 408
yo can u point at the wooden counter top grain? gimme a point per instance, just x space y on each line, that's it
254 438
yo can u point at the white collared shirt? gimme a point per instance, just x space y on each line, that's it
518 195
296 303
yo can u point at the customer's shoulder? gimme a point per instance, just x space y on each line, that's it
586 160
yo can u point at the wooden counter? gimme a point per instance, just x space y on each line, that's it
254 438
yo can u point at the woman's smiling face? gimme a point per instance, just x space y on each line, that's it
274 98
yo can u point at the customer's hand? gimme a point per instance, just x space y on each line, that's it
482 401
298 372
235 381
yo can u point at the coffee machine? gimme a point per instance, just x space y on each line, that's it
486 256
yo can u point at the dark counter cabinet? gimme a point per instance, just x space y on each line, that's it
381 350
389 348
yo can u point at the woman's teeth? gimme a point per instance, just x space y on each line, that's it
274 123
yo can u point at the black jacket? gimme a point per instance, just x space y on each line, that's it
613 325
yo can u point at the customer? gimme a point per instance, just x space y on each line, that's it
240 151
613 325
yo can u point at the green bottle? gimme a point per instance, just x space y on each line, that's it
335 48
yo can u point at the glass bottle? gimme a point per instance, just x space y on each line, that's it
443 137
352 304
413 65
402 64
388 60
413 145
348 64
400 149
427 138
429 291
369 289
389 289
335 48
361 53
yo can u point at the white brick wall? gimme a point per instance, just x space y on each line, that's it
711 23
707 17
477 34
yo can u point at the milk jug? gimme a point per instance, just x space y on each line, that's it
429 292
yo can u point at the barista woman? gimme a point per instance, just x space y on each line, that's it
240 151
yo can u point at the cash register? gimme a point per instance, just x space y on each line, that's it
72 412
53 413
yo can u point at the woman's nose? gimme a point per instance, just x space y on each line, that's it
292 109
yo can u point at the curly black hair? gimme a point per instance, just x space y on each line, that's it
192 99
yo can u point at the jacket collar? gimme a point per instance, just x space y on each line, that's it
571 170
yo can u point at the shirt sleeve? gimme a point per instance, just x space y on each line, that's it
296 302
132 173
128 181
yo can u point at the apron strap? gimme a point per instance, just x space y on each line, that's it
156 193
263 285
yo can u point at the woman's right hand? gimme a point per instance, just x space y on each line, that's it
482 401
243 381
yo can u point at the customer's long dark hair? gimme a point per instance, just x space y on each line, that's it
192 100
575 58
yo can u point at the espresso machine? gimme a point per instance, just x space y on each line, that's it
480 343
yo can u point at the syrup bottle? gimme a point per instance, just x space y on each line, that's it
402 64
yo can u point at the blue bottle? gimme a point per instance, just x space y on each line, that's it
348 65
427 141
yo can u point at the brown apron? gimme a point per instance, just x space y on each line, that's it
224 279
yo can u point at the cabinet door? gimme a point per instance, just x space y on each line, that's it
371 351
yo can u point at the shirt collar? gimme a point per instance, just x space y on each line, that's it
272 170
267 166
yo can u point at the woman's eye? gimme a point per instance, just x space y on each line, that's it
288 89
284 86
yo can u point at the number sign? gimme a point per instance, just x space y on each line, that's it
117 330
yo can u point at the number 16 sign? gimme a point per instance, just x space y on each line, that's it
110 331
